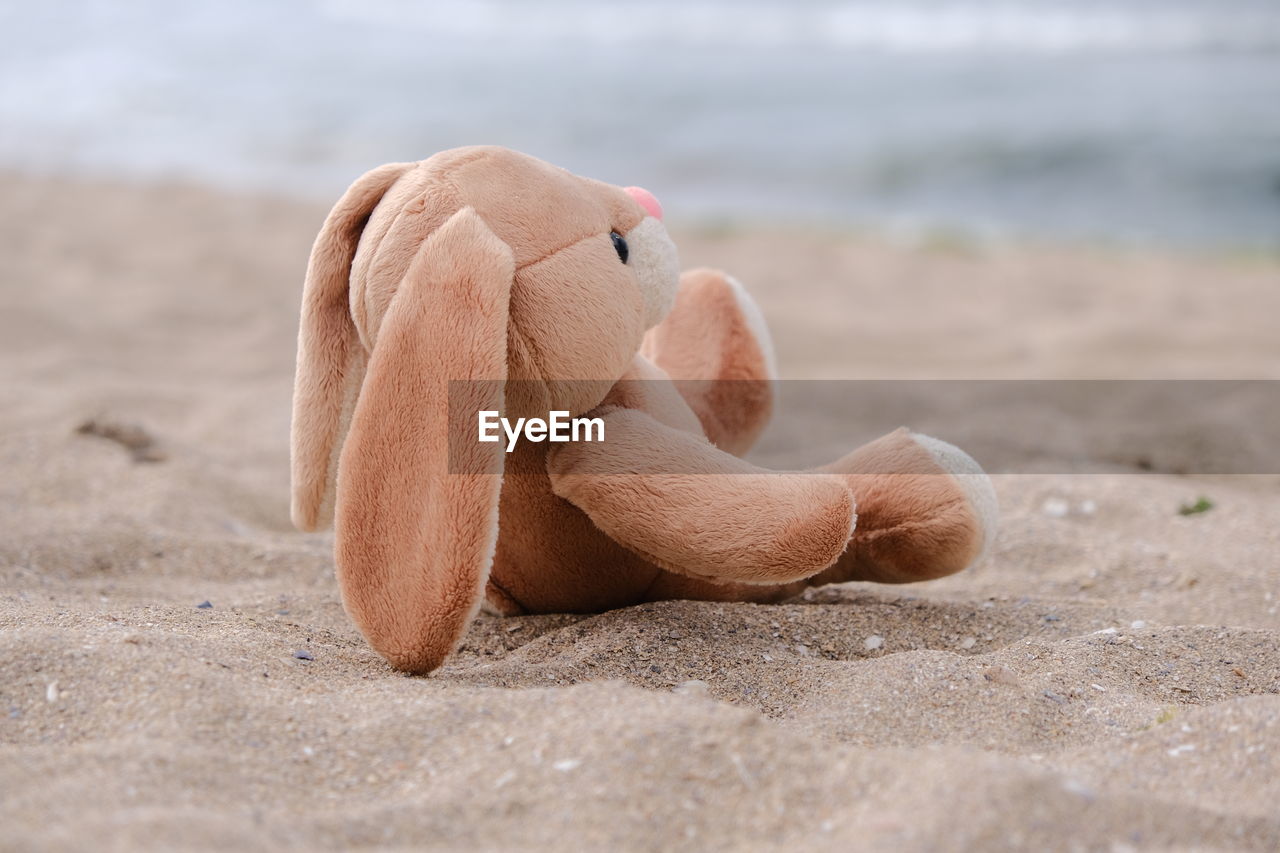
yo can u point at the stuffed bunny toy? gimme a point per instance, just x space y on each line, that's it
482 278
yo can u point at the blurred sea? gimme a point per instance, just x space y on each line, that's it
1134 120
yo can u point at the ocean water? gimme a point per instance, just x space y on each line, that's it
1135 120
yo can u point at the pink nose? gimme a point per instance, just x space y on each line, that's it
647 201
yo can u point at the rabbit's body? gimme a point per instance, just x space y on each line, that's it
486 279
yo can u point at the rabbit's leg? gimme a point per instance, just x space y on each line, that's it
686 506
925 510
715 344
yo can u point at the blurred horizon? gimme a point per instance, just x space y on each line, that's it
1134 121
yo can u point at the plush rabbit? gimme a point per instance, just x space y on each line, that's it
486 264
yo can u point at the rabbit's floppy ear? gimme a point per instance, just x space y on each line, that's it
416 529
330 357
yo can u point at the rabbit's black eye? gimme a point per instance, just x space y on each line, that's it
620 246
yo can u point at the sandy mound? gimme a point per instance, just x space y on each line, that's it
1109 677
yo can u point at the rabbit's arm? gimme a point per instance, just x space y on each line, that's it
674 498
715 344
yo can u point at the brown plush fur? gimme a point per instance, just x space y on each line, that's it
720 368
485 264
328 352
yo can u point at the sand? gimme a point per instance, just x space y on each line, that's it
1108 678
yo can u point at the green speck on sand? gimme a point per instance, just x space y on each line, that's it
1165 715
1202 504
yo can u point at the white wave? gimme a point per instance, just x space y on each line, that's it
873 25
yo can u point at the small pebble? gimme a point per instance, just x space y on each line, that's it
51 692
1055 508
205 605
1055 697
968 643
303 654
1079 788
873 642
1001 675
566 765
692 687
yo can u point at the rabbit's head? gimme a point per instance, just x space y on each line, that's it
476 264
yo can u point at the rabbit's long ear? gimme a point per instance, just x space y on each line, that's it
330 357
416 528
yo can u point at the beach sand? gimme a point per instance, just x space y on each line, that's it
1108 678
